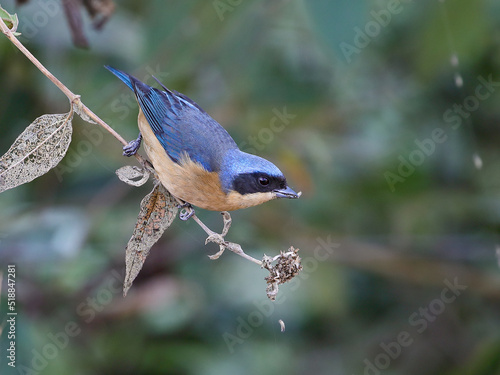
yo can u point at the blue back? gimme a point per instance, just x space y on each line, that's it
180 125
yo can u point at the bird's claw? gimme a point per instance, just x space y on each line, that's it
132 147
186 211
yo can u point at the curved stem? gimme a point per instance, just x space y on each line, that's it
73 98
76 101
219 240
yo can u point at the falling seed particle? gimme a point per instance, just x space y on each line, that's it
282 324
478 162
454 60
498 255
459 81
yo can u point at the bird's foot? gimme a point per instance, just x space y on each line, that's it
133 146
186 211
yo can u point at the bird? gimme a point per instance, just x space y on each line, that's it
195 158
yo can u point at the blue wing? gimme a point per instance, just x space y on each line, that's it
180 125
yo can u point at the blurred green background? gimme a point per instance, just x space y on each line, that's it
400 277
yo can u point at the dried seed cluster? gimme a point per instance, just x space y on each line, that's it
287 267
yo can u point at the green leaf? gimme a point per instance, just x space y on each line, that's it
10 20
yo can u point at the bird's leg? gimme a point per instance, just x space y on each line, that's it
133 146
186 211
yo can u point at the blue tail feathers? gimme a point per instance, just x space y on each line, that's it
124 77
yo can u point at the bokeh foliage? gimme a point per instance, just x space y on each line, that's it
354 119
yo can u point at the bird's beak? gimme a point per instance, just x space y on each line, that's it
286 193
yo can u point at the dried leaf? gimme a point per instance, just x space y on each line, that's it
78 108
158 210
282 325
38 149
129 174
100 11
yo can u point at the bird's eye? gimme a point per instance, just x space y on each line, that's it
264 181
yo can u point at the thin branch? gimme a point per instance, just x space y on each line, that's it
73 98
80 107
223 244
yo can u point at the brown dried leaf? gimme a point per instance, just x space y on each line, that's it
158 210
100 11
130 174
78 108
75 22
39 148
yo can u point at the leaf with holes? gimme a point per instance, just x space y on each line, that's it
158 211
39 148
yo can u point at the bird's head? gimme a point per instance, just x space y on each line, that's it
252 179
